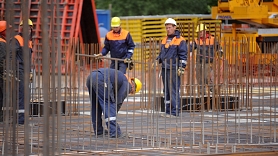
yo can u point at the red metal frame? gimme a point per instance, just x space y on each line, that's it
70 26
96 20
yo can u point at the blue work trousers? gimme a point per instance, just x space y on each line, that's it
103 101
21 98
171 83
121 66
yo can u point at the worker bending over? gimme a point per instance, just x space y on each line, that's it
108 88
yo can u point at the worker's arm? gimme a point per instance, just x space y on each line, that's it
131 46
106 47
219 49
182 53
2 57
192 46
14 45
14 49
159 60
2 53
123 91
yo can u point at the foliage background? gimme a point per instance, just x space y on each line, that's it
155 7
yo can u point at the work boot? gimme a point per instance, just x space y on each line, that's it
101 134
121 136
170 116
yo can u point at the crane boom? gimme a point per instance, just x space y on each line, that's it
262 12
260 28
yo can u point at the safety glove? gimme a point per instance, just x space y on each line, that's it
130 66
4 75
127 60
180 71
97 56
31 77
155 64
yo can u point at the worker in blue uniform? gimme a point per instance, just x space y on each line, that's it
108 88
173 57
119 43
207 47
2 64
18 49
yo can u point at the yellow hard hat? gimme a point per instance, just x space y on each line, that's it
115 22
3 25
30 23
201 27
138 84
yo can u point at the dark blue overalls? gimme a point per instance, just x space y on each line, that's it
120 45
18 48
104 98
173 54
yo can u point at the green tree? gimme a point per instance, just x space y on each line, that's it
156 7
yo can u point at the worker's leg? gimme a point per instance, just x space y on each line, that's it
112 65
106 100
122 67
165 79
111 119
207 71
21 98
207 77
200 76
96 115
175 93
96 110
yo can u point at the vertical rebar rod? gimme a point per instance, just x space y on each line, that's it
8 131
59 79
26 59
54 104
45 76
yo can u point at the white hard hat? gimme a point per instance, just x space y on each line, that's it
170 21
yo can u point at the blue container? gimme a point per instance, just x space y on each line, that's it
104 18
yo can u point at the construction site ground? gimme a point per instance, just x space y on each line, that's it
193 132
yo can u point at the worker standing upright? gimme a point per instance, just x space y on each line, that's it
120 44
173 56
108 89
2 62
18 49
206 46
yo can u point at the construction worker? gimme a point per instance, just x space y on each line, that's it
120 44
205 44
173 56
2 60
18 49
108 88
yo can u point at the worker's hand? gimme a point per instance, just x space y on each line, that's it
97 56
127 60
181 71
155 64
119 105
31 77
129 63
220 53
130 66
